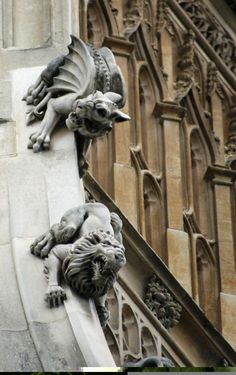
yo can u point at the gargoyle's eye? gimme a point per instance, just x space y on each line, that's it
102 112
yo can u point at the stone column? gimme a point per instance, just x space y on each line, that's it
177 240
222 180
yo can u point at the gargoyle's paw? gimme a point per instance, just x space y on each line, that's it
39 141
33 246
30 144
55 295
37 147
45 251
46 142
42 245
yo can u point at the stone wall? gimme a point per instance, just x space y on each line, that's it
36 189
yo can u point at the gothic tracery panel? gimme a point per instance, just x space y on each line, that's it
135 337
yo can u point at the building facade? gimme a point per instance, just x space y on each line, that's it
169 173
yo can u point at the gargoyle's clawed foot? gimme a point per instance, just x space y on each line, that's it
42 245
55 295
39 141
103 315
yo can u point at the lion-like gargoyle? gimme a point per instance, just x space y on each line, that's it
86 249
85 88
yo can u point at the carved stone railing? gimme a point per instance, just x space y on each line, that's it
131 334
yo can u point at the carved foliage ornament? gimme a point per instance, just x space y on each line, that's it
214 33
86 249
85 87
159 300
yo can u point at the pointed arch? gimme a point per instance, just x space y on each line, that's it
202 190
153 209
206 277
149 130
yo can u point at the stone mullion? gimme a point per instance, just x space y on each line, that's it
124 184
177 240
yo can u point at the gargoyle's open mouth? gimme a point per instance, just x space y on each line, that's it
101 268
86 127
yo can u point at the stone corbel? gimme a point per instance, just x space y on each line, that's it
168 110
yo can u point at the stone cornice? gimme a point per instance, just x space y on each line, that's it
203 42
220 175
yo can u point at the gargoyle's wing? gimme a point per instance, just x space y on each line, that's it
77 75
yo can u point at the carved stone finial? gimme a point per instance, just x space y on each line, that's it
86 87
230 148
159 300
86 248
185 78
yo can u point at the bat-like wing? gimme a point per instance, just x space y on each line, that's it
77 74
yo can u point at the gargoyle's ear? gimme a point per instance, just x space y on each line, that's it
119 116
113 96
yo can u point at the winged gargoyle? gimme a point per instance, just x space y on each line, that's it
85 88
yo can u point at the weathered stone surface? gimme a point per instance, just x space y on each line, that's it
31 27
5 99
17 352
179 257
7 139
58 348
93 345
28 208
4 206
32 284
228 308
225 235
63 184
173 178
125 191
11 310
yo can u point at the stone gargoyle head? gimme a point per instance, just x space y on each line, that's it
91 266
95 115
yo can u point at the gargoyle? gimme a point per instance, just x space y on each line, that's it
85 88
86 249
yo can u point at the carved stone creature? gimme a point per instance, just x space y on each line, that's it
86 249
86 88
